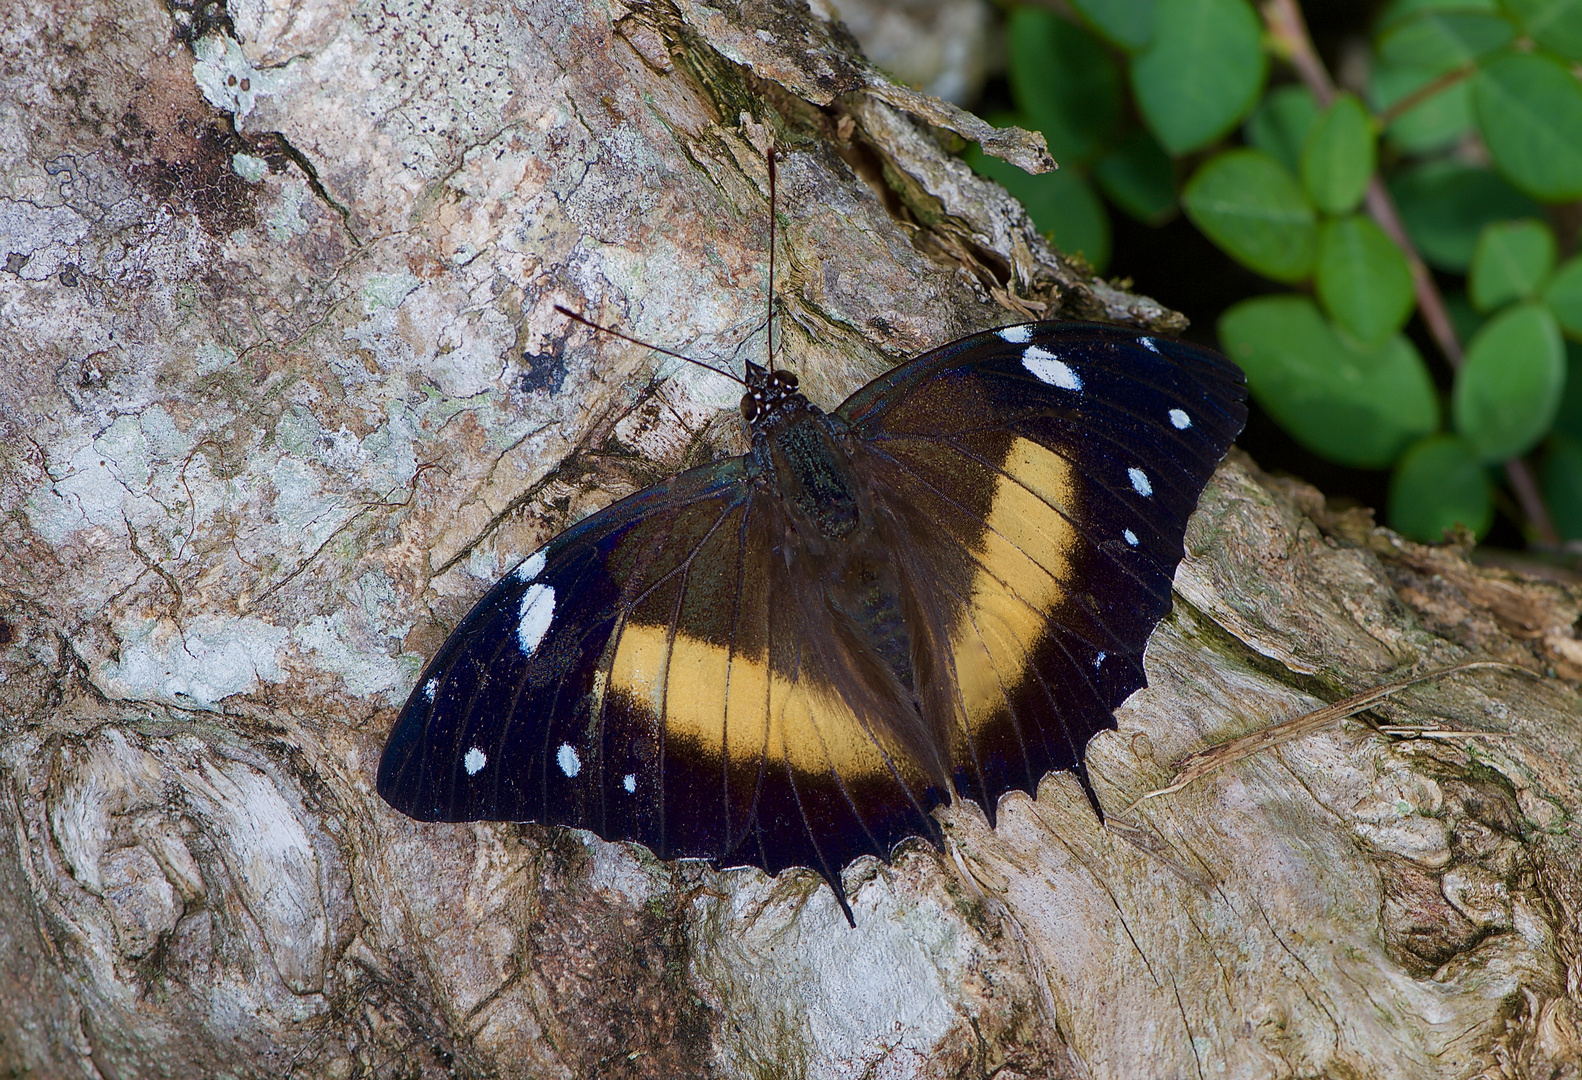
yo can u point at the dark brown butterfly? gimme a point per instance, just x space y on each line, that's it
789 658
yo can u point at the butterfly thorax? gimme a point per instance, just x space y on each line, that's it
801 451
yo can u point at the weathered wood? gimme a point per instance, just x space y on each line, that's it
284 390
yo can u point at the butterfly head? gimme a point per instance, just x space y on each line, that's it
771 397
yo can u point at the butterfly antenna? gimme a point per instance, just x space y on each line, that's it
770 322
572 315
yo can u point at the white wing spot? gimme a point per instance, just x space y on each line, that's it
566 757
1017 335
474 761
1050 370
429 688
534 615
1131 537
1140 482
629 782
1149 344
1099 659
531 566
1180 419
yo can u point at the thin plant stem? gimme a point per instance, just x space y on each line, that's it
1288 31
1430 301
1423 93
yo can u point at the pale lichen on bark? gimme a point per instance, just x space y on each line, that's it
285 390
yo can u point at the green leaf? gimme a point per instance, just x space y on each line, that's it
1060 203
1554 24
1252 208
1438 485
1445 205
1338 156
1126 23
1203 70
1436 122
1064 81
1280 126
1564 296
1354 405
1363 279
1511 261
1398 11
1529 109
1508 390
1562 486
1440 41
1138 176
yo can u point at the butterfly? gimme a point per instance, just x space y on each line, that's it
789 658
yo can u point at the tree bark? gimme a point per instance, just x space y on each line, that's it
285 391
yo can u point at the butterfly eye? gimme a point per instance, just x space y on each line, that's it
784 379
749 407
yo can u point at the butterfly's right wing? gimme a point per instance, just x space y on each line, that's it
1040 478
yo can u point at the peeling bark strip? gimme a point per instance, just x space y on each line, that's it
302 381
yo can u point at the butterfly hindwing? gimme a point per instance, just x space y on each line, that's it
739 685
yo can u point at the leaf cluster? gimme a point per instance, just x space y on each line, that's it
1439 185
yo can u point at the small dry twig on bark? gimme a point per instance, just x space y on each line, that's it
1198 765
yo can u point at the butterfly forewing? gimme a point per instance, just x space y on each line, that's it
495 729
686 670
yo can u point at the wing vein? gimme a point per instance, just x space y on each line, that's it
729 844
685 568
833 877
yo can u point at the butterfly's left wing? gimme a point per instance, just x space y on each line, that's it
664 672
1039 479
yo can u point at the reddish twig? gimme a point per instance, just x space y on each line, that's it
1288 32
1430 301
1527 493
1424 92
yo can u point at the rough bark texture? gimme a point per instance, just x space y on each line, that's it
283 390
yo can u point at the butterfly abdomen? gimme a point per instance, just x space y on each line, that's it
812 474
